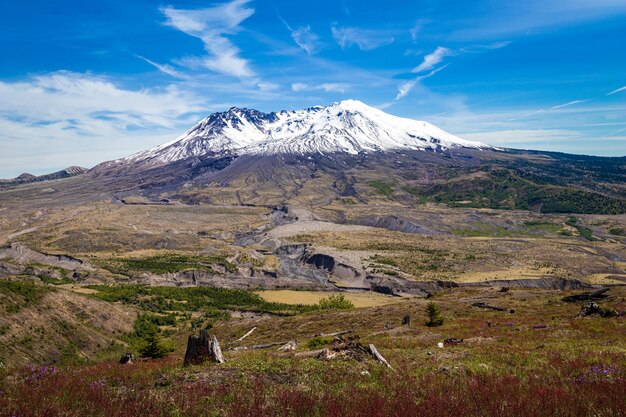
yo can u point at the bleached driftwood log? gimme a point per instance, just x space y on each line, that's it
289 346
379 357
245 335
260 346
334 334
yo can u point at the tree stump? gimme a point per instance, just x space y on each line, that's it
406 320
202 348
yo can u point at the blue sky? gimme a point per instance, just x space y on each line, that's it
82 82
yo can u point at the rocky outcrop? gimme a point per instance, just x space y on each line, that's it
395 224
23 255
256 281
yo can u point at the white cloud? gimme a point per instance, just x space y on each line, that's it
304 37
416 29
405 88
486 47
326 87
569 103
212 25
619 90
164 68
58 114
266 86
432 59
364 39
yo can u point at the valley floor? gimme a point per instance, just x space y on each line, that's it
82 281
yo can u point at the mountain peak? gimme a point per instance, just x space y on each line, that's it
347 126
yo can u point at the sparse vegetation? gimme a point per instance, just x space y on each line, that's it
22 294
168 263
164 299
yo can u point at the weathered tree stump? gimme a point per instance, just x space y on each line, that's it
203 348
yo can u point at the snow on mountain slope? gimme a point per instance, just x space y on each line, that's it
348 126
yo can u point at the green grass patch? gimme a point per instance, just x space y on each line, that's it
545 226
208 299
383 260
381 187
584 231
617 231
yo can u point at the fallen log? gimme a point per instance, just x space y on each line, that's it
452 341
244 336
378 356
289 346
334 334
488 306
587 296
310 353
259 346
202 348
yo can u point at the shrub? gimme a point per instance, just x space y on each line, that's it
335 302
318 342
154 347
434 315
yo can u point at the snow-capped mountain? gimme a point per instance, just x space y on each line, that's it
348 126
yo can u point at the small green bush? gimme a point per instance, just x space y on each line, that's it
335 302
318 342
433 315
155 347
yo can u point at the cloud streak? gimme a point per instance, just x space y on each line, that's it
619 90
213 25
569 103
304 37
364 39
405 88
432 59
165 68
326 87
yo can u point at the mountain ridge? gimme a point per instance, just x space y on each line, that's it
348 126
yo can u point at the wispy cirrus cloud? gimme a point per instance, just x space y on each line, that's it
432 59
304 37
618 90
213 25
569 103
326 87
165 68
364 39
405 88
